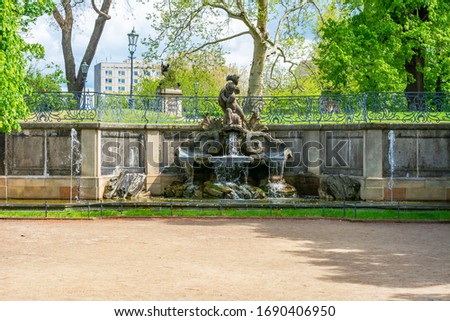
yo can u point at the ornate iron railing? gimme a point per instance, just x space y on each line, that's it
355 108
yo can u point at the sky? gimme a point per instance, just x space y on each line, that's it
113 45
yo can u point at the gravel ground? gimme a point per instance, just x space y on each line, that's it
223 259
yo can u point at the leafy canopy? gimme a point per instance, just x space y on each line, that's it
38 81
385 45
15 18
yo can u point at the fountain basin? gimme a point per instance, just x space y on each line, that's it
230 160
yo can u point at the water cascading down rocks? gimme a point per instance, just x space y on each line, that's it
232 158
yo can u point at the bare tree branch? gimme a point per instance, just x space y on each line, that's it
313 73
318 10
241 16
311 70
217 41
240 5
58 17
99 12
278 83
286 14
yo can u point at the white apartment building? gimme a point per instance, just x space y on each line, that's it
115 77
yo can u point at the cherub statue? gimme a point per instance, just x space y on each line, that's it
227 101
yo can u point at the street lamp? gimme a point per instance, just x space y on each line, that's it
196 88
196 97
132 44
84 70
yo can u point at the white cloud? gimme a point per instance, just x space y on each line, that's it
113 45
240 51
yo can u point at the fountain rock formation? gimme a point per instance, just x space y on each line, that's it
232 158
126 185
340 187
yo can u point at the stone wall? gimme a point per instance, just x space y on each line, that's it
418 153
38 164
122 149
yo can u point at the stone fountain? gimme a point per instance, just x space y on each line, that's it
232 157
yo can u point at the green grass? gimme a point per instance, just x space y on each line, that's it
349 213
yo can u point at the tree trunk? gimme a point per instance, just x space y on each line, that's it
256 78
417 63
94 40
69 60
415 68
260 36
75 79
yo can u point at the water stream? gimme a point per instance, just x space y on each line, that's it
391 160
6 172
45 173
132 157
233 143
76 160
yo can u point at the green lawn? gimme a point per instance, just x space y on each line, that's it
348 213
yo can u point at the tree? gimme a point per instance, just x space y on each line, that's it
39 81
189 26
301 80
385 45
16 17
64 16
190 70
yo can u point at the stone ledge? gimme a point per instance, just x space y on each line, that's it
372 194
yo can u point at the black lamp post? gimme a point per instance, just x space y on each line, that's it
196 85
132 44
84 70
196 88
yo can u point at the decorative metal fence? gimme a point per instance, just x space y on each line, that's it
425 107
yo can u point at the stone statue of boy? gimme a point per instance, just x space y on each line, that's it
227 101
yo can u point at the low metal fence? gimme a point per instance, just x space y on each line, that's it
424 107
387 211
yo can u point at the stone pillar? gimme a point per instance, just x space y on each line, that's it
171 102
90 167
373 185
153 161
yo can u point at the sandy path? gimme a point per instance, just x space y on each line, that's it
223 259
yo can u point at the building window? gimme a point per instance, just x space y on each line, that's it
135 81
136 73
108 80
108 88
121 81
121 72
147 73
121 88
108 72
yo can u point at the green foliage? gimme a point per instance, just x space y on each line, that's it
299 81
39 82
366 45
16 17
188 70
